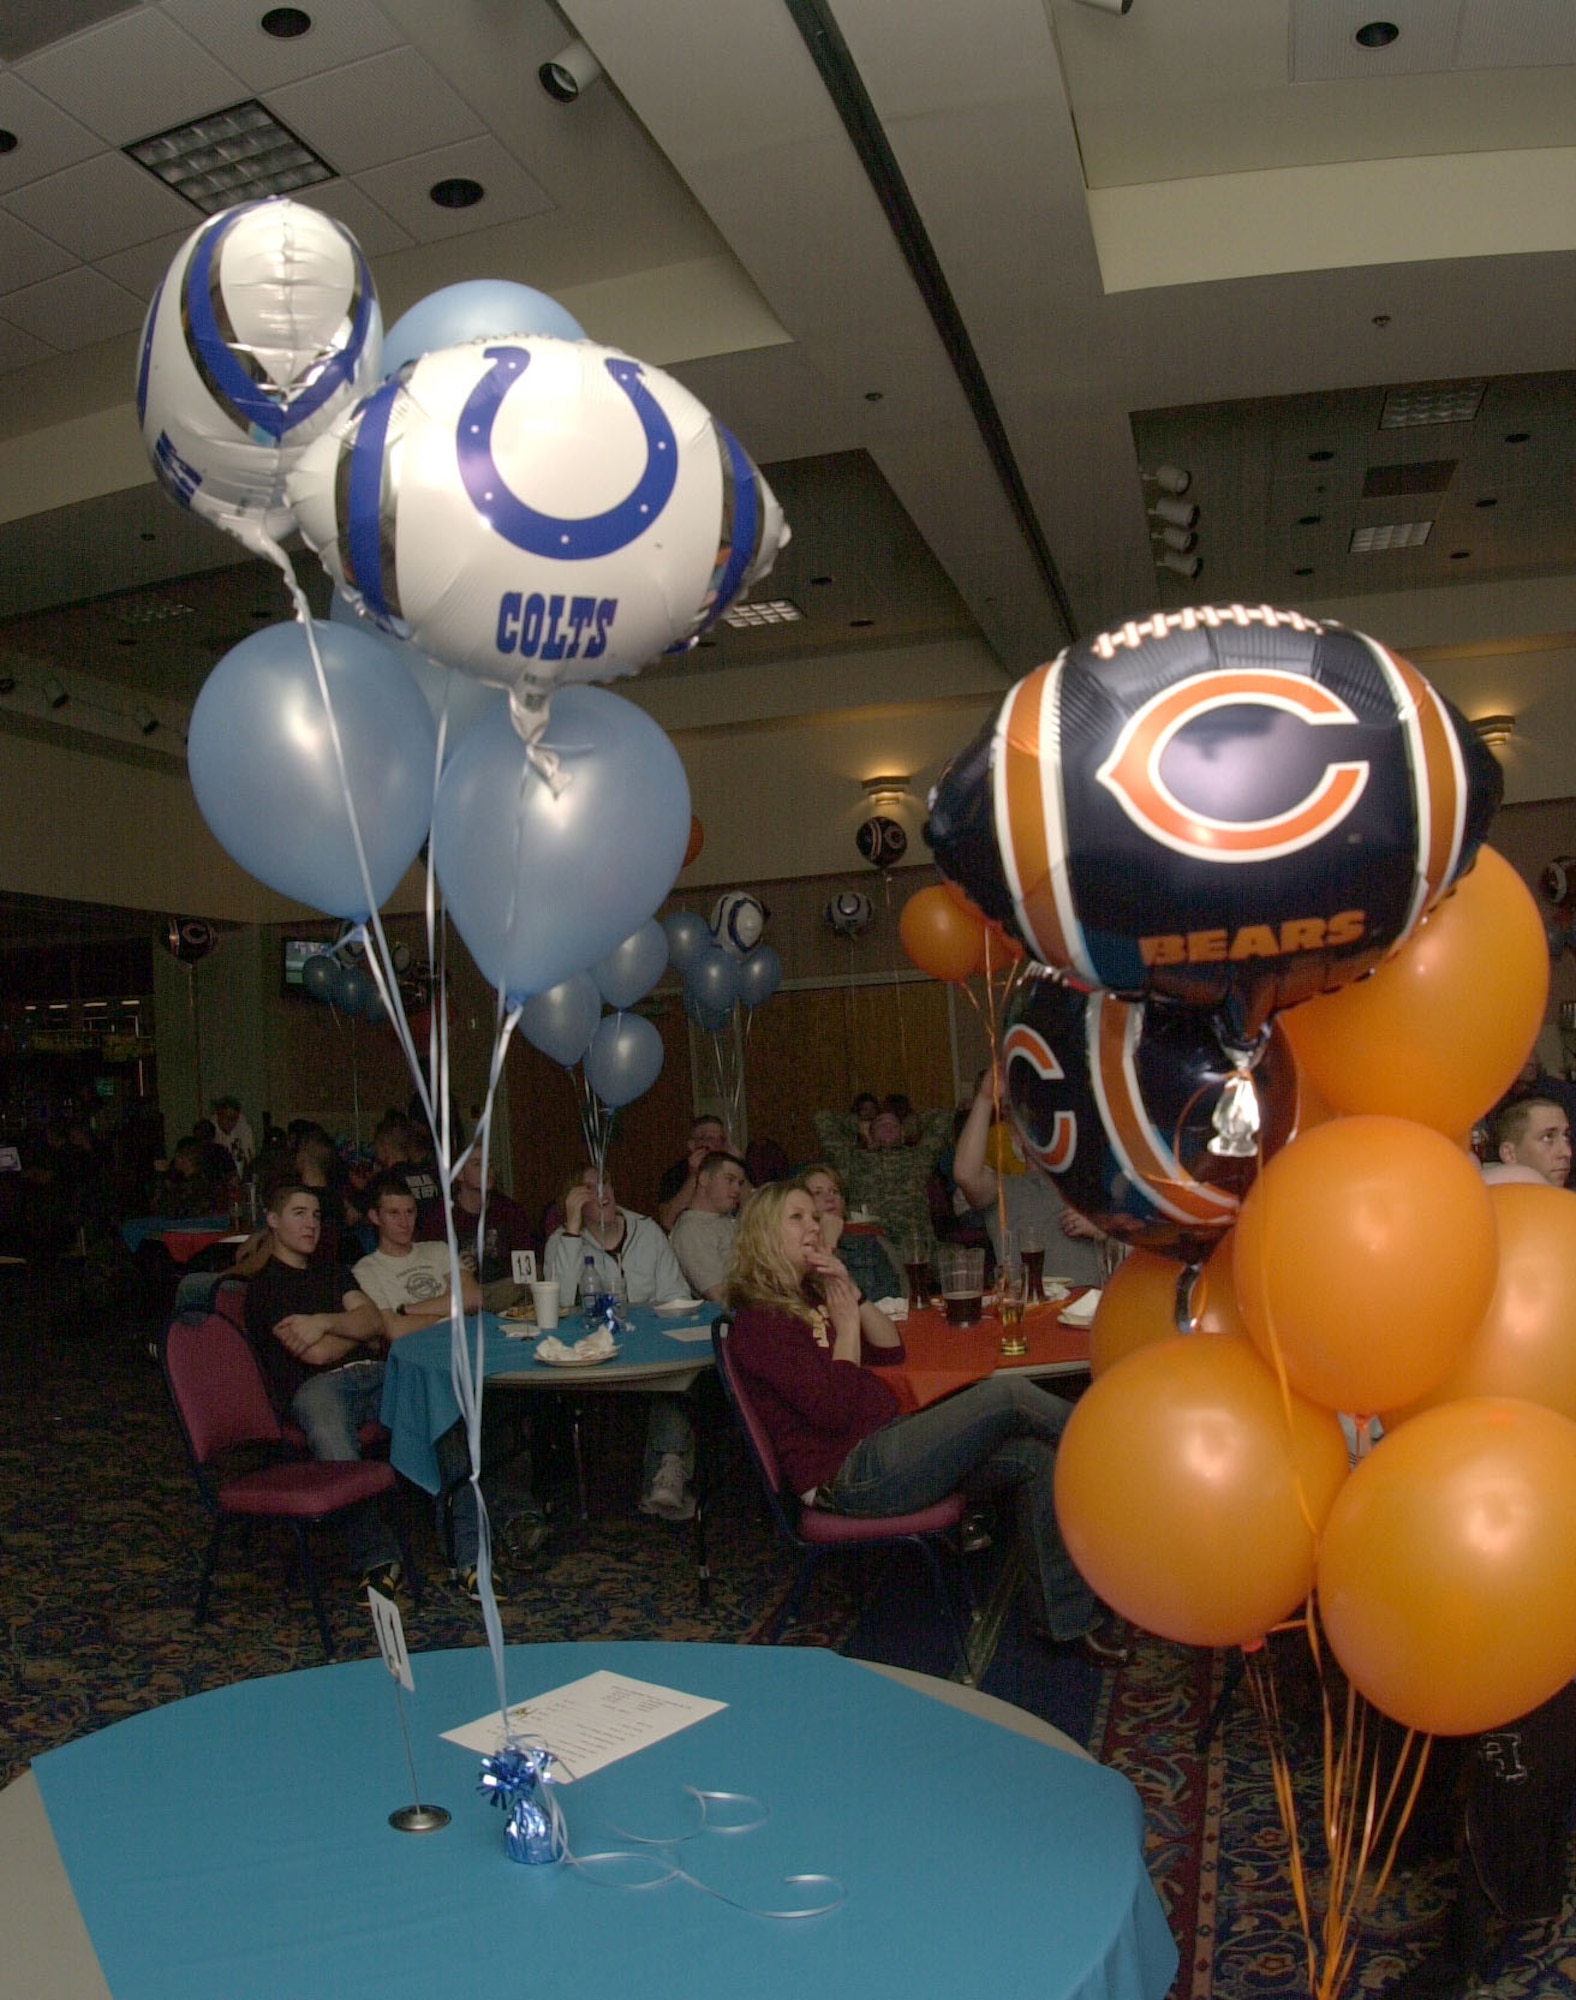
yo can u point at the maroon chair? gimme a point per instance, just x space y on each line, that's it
222 1404
814 1532
229 1300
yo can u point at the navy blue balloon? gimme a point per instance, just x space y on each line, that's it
713 978
631 969
266 780
688 933
624 1059
318 976
374 1013
478 309
355 990
760 975
561 1021
711 1020
542 885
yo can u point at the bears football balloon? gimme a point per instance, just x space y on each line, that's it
264 331
1118 1103
1234 807
533 511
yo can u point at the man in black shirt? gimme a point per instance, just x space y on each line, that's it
320 1341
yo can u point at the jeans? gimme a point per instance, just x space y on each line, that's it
331 1408
507 1497
998 1435
668 1430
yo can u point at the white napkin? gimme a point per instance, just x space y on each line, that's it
1080 1313
893 1308
598 1346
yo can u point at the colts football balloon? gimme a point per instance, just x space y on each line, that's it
265 330
738 921
1118 1103
533 511
1233 807
850 913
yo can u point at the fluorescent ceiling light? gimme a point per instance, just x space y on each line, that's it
1393 535
1431 403
773 611
230 156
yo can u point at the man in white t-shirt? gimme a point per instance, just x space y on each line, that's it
702 1238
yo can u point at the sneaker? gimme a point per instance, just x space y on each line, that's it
525 1537
388 1578
976 1531
670 1497
468 1580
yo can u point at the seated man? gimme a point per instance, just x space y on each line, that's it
676 1189
508 1228
320 1341
408 1282
702 1238
884 1171
1534 1135
628 1254
1037 1217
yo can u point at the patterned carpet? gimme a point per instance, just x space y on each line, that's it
103 1532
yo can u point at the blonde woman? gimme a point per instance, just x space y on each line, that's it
810 1353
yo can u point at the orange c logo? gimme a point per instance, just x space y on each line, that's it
1132 771
1026 1042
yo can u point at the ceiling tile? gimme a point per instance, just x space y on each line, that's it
402 189
101 205
1516 34
132 77
25 256
139 269
1324 42
378 234
342 31
47 139
17 348
74 310
372 112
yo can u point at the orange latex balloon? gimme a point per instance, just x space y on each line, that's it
942 939
1526 1344
1136 1309
1004 950
1368 1247
1440 1030
697 840
1312 1107
1215 1307
1447 1575
1181 1490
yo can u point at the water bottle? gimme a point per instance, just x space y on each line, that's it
589 1287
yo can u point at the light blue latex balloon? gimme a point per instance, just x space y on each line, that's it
687 933
561 1021
318 976
263 769
479 309
355 990
625 1057
713 978
631 969
467 699
711 1020
540 886
760 975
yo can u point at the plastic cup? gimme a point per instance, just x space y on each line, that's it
544 1296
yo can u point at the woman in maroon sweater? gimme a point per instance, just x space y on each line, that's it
810 1352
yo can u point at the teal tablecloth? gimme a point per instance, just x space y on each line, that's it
236 1845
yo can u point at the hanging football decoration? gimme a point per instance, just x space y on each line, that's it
189 939
738 922
1233 807
850 913
1147 1124
533 511
264 331
882 842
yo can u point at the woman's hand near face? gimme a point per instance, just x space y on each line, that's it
842 1302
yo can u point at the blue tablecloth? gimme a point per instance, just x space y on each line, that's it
136 1232
237 1845
418 1391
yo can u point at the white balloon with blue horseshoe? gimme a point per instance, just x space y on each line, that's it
264 332
532 511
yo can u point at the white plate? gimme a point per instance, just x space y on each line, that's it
674 1308
573 1361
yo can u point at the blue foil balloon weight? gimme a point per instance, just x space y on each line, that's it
262 764
516 1779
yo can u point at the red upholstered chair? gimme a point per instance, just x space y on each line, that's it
222 1404
814 1532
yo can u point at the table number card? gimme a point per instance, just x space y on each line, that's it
522 1266
390 1628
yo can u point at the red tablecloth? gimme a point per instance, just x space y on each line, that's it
942 1359
183 1244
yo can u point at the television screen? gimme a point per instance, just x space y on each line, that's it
296 953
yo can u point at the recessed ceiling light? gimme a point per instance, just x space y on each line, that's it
1309 520
1517 437
147 535
456 193
1488 500
1392 535
1376 35
1320 457
1460 555
8 142
1303 569
861 621
285 24
873 395
1431 403
820 582
230 156
771 611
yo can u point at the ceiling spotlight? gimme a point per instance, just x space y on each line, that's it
1107 6
1183 540
1181 565
55 694
1169 478
888 790
1175 513
572 70
1377 35
1495 730
7 683
145 720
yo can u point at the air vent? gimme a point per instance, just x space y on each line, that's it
1432 403
1393 535
1389 482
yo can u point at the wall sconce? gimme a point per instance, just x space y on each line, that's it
1494 730
55 694
1173 479
145 720
887 790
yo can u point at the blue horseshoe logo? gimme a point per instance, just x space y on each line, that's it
567 540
